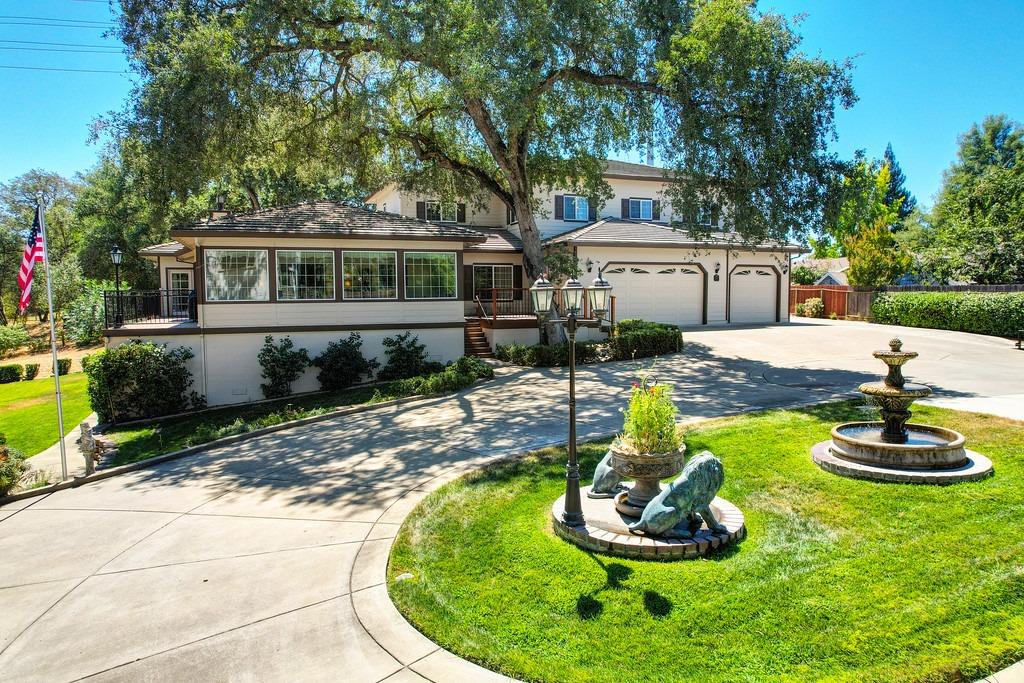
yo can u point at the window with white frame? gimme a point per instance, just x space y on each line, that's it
486 278
369 275
236 274
706 215
575 208
305 275
641 209
441 212
430 275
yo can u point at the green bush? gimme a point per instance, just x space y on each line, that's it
282 364
83 317
453 377
406 357
12 337
63 366
342 363
10 373
31 370
800 310
999 314
12 466
139 380
546 356
650 420
814 308
641 339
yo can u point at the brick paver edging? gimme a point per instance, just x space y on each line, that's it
224 441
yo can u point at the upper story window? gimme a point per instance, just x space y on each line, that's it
575 208
369 275
430 275
510 216
641 209
236 274
707 215
441 212
305 275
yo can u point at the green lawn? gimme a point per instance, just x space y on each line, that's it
139 443
838 579
28 411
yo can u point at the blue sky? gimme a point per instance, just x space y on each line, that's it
924 71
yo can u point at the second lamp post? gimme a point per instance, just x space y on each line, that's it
541 294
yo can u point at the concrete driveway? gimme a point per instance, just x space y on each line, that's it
266 560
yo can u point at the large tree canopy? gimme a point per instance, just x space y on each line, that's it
470 96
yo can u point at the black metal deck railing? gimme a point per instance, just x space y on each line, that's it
152 306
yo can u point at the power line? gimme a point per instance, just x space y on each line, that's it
46 68
46 42
60 49
63 21
41 23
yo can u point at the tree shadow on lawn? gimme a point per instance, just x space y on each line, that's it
588 606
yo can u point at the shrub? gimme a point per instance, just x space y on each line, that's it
12 338
282 364
138 380
63 366
1000 314
546 356
83 316
31 370
453 377
650 424
342 363
641 339
10 373
12 466
407 357
814 308
800 310
39 344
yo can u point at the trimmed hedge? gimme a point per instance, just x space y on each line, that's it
998 314
633 338
10 373
31 370
453 377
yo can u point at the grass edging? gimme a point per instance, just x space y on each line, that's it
224 441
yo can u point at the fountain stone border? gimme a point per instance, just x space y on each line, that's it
976 468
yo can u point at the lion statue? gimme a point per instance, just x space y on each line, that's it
688 497
607 482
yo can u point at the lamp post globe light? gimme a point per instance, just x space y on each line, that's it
115 257
541 294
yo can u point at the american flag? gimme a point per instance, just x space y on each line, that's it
33 253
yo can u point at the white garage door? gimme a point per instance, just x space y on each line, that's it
752 295
661 293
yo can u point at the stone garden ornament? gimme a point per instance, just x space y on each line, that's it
688 497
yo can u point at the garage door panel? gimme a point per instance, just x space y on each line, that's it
753 295
662 293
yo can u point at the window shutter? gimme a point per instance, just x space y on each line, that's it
517 282
421 210
559 205
467 283
625 208
460 213
656 210
592 209
714 215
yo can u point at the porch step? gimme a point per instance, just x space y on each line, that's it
475 341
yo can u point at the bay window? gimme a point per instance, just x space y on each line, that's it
430 275
236 274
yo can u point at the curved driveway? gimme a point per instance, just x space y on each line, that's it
266 559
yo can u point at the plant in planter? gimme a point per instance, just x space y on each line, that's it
650 447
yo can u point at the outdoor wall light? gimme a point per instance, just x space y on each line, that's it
718 266
590 265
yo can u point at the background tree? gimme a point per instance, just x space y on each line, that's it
507 98
863 204
805 275
897 193
876 258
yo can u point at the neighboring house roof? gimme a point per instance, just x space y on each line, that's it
826 265
335 219
171 248
625 169
618 232
833 277
498 239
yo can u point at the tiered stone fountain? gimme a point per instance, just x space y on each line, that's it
892 450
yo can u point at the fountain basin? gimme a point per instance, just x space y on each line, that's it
927 447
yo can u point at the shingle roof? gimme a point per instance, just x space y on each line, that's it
827 265
625 168
171 248
336 219
498 239
626 233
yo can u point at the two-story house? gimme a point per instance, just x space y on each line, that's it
317 271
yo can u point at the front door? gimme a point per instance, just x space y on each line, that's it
180 282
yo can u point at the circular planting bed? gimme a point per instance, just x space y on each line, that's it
837 579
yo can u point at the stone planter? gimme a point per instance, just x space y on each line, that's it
646 470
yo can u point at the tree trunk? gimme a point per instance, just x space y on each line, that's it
254 199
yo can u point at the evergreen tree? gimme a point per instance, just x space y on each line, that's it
897 186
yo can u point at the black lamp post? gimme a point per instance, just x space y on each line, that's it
541 294
115 257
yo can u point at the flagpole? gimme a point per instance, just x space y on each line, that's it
53 340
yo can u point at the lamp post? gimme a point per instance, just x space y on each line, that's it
115 257
541 294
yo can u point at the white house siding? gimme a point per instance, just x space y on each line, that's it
673 297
